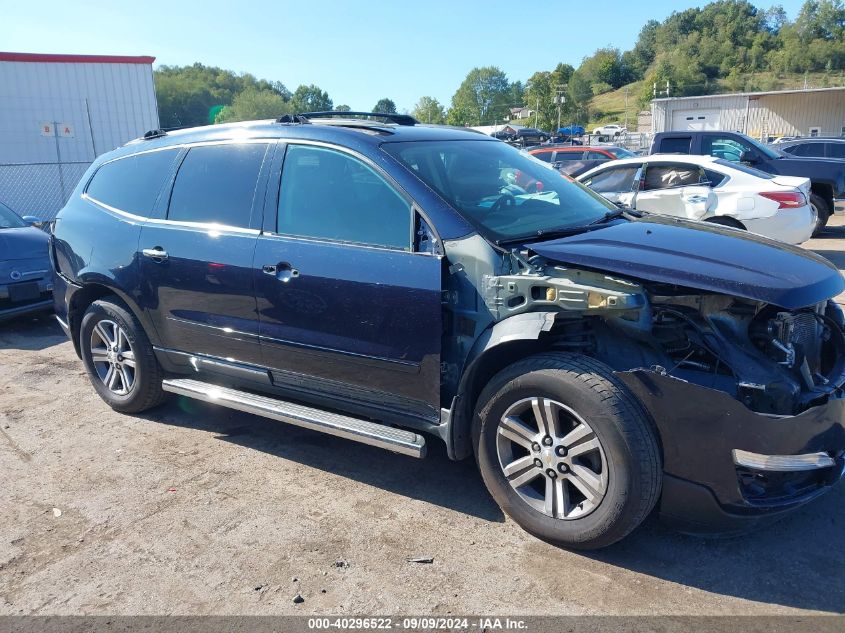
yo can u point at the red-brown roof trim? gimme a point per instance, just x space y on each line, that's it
76 59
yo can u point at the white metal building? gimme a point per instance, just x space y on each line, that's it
58 113
811 112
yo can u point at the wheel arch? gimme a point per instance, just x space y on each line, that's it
92 291
500 345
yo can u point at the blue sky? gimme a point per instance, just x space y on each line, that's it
357 51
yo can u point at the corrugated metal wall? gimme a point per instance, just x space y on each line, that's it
768 114
105 105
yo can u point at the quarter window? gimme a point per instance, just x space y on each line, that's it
132 184
216 184
330 195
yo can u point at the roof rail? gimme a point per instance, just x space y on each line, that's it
292 118
392 117
151 134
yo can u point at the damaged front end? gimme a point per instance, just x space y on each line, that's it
747 396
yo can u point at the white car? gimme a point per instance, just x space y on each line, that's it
611 130
709 189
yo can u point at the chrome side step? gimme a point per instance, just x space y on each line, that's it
392 439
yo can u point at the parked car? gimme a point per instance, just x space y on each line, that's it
816 147
25 278
827 176
525 137
612 130
389 282
574 161
572 130
709 189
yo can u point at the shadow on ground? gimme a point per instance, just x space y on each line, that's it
435 479
797 562
32 333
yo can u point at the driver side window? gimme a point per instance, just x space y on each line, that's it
724 148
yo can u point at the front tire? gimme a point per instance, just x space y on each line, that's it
567 451
119 357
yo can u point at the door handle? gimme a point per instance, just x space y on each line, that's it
696 199
157 253
284 272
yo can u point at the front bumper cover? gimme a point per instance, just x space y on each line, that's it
705 491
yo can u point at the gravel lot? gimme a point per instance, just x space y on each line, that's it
199 510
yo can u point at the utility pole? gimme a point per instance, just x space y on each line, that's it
626 107
560 99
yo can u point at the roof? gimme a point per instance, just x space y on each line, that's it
354 133
75 59
752 94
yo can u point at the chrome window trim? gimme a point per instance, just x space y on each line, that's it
203 226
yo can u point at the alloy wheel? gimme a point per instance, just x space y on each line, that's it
113 357
552 458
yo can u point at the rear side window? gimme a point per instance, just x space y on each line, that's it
675 145
132 184
216 184
546 157
597 156
669 176
564 155
836 150
809 149
327 194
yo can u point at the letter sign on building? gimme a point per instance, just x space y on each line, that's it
66 130
46 129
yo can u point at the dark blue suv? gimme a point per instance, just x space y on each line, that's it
385 281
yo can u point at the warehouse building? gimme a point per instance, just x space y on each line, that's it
58 113
761 115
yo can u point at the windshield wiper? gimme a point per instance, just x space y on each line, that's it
610 215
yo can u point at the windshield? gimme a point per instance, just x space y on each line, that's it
621 152
9 219
768 152
506 193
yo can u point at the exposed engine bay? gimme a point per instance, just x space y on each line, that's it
773 360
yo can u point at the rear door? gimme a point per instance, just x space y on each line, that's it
196 260
675 189
349 305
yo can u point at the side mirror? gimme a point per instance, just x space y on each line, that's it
747 157
32 220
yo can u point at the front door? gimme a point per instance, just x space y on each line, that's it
349 311
196 262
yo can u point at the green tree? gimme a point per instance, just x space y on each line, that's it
342 108
252 104
191 95
385 105
483 98
429 110
310 99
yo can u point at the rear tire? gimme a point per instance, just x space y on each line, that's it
724 220
822 212
119 357
583 500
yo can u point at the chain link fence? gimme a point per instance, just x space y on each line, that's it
39 189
